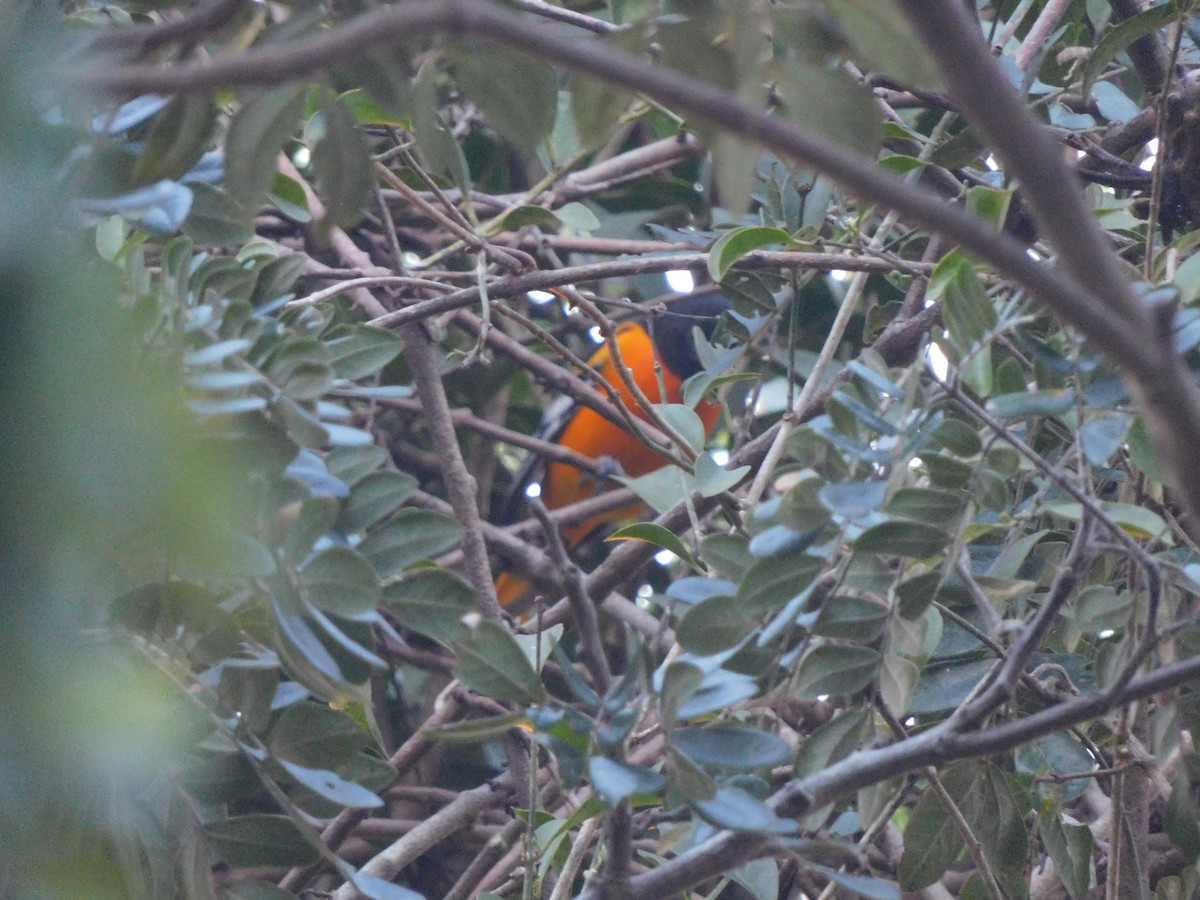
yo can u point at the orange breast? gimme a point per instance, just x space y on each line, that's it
592 435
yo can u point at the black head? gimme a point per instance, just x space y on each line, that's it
672 330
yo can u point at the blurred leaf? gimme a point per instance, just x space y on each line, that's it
374 497
431 602
737 810
693 589
316 736
178 138
1118 38
1057 754
902 539
732 747
1101 437
492 663
928 505
771 582
831 103
737 242
932 842
362 352
287 195
517 94
1031 403
652 533
333 787
713 479
1138 521
851 618
834 669
882 35
259 840
720 690
341 581
596 108
1070 849
728 554
352 464
615 781
715 624
474 731
438 147
412 535
342 162
255 139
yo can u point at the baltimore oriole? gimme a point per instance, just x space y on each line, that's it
668 341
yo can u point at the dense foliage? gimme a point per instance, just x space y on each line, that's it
287 289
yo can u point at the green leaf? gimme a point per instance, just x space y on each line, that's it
931 840
836 669
596 108
959 438
615 781
737 810
516 92
928 505
1070 849
831 742
715 624
431 602
854 499
441 152
491 662
771 582
712 479
989 204
342 161
411 536
882 35
1141 449
651 533
341 581
477 731
1138 521
374 497
1100 438
681 680
1117 39
865 886
245 889
737 242
897 538
852 618
287 195
1181 815
362 352
316 736
332 786
259 840
732 747
1031 403
661 489
728 554
353 464
720 691
177 139
943 687
831 103
1056 754
255 138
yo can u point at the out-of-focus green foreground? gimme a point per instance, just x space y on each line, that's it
90 459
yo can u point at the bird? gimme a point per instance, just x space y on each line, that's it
669 340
